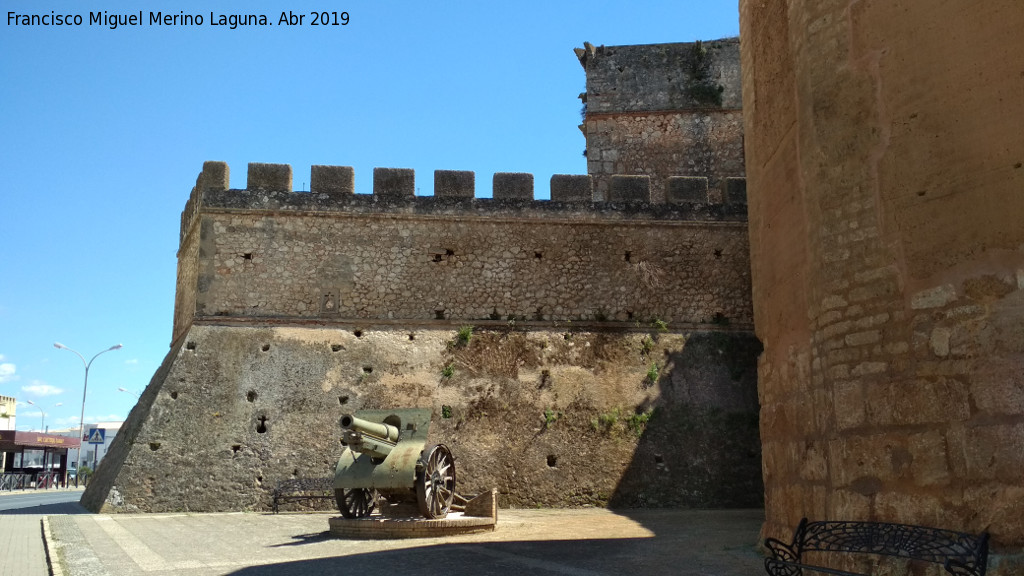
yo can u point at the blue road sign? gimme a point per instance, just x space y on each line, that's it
97 435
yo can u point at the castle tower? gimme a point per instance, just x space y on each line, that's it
665 110
885 157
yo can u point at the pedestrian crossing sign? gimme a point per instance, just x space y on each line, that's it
96 435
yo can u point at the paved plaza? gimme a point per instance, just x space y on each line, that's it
574 542
22 550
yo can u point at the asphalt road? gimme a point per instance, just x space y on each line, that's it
42 502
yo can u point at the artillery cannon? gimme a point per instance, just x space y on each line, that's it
386 456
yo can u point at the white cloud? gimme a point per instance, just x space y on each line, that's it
107 418
7 372
90 419
66 422
38 388
132 361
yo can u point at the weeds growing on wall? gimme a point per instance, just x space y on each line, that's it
637 422
653 373
494 353
651 275
605 421
550 417
448 371
613 422
646 345
701 88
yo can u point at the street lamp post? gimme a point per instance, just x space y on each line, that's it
42 429
85 387
42 423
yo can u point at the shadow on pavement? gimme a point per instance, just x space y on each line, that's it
307 539
573 557
47 509
648 557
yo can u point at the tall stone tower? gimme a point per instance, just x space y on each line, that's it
665 110
885 158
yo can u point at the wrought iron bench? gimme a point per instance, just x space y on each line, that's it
960 554
299 489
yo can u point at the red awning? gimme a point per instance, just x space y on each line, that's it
13 441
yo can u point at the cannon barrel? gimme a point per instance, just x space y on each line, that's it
379 431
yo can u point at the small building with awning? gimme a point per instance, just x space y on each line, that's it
35 452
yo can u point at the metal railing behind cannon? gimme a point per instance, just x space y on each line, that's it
15 481
78 480
48 480
299 489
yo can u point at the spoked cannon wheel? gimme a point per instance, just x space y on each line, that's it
435 481
355 502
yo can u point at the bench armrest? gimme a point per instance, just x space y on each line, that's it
781 550
958 568
782 560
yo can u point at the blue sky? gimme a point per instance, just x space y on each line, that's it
104 132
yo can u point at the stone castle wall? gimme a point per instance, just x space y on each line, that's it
548 417
610 360
664 110
278 254
884 157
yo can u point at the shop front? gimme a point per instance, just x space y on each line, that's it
34 459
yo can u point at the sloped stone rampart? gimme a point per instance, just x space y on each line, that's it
550 418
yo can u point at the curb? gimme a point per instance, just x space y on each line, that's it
49 545
39 491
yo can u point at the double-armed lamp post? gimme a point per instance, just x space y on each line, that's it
85 387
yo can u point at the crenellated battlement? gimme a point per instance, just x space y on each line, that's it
267 253
332 188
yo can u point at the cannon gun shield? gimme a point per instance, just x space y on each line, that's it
386 455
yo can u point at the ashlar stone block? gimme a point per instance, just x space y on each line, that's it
572 188
215 176
454 184
269 177
394 182
513 186
630 188
332 180
735 190
686 190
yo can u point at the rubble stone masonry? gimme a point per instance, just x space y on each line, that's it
573 352
259 253
663 110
